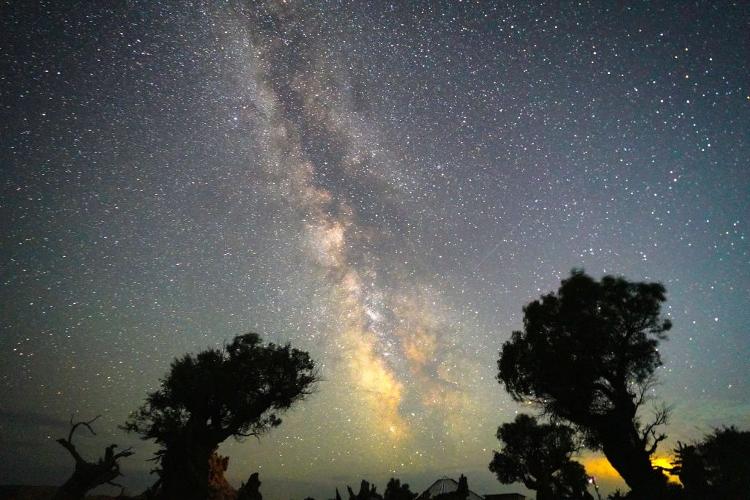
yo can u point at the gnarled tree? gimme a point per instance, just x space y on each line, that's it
539 456
88 475
236 391
587 354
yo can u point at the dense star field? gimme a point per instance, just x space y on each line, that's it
384 186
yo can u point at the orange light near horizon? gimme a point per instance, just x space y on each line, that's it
666 462
600 467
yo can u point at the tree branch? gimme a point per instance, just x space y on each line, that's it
642 396
248 434
71 449
110 456
649 434
657 439
87 424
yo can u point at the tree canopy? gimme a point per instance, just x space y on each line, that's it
367 491
539 456
717 467
395 490
587 354
236 391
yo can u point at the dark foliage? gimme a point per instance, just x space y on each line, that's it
538 455
617 495
717 467
88 475
366 492
671 492
236 391
587 354
397 491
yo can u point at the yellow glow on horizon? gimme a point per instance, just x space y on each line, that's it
667 462
600 468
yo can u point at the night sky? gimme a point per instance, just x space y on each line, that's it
382 185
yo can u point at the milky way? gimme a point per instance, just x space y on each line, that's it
382 185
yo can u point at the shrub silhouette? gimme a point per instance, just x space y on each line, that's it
538 455
397 491
717 467
366 492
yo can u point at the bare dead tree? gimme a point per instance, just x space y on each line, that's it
88 475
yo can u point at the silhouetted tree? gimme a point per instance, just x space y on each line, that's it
366 492
538 455
397 491
572 482
236 391
88 475
587 354
717 467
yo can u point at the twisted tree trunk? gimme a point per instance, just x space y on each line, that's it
623 447
185 471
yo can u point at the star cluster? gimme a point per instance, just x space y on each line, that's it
383 185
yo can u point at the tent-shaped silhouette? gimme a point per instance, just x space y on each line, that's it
446 485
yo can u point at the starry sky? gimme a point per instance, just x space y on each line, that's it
382 184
